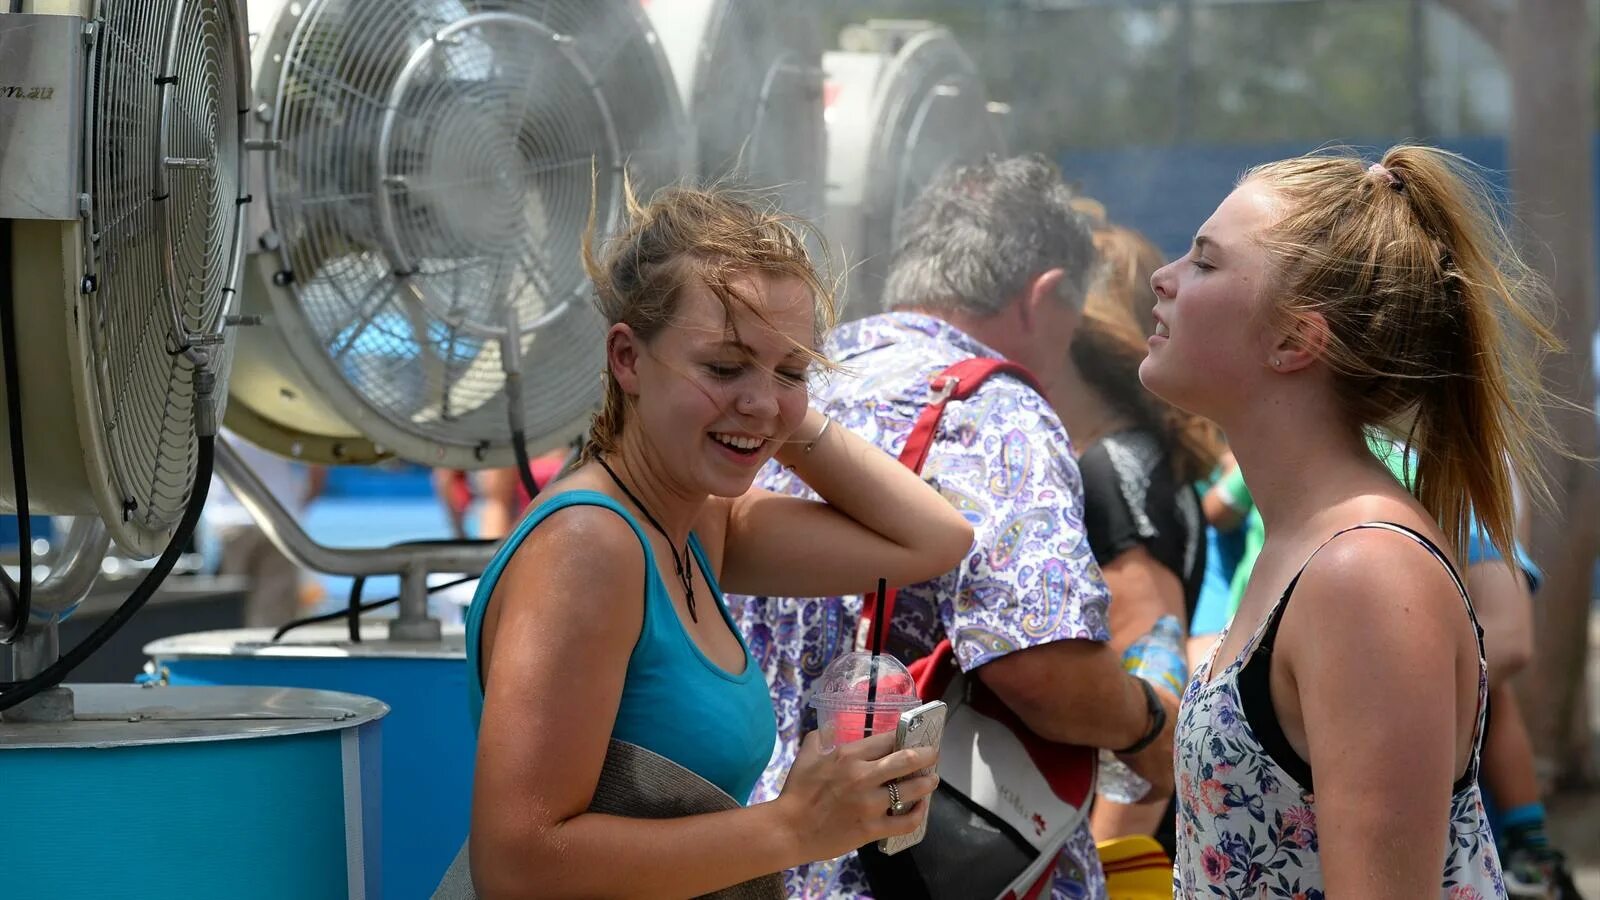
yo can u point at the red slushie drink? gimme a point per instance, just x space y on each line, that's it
849 708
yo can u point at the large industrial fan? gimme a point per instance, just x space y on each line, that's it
750 74
122 187
427 174
903 101
122 184
431 171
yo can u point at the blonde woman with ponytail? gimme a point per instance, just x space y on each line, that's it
1330 745
602 617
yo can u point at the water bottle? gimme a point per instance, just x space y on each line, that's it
1118 783
1158 658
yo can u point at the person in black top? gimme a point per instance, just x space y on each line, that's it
1134 502
1140 459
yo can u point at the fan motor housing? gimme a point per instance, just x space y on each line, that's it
902 106
428 182
750 75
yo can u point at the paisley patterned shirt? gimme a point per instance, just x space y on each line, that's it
1003 459
1247 828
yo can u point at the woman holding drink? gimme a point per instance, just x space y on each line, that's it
602 616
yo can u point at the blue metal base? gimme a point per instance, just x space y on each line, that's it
428 744
246 809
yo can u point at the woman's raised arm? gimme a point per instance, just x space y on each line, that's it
877 519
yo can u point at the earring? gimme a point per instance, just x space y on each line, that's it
1277 362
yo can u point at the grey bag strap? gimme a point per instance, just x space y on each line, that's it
457 882
637 783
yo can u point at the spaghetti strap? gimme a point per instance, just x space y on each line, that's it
1428 545
1269 627
1397 528
1261 644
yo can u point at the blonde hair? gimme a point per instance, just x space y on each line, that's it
712 235
1431 331
1109 345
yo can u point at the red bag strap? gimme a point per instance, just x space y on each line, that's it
958 382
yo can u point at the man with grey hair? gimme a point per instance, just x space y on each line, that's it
992 262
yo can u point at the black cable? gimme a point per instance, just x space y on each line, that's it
519 446
353 609
57 671
365 607
19 597
331 616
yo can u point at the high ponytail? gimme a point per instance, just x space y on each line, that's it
1432 333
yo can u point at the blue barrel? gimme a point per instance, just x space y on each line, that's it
428 744
158 792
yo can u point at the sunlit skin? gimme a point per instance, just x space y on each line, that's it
1219 364
738 376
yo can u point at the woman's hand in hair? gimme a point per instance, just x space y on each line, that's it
876 519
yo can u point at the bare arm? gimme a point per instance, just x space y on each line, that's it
1505 610
1220 511
316 483
1375 645
877 519
1075 692
555 675
1142 591
500 507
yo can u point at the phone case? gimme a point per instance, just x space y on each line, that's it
920 727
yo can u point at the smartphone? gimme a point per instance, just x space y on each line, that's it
920 727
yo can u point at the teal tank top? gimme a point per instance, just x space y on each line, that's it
675 700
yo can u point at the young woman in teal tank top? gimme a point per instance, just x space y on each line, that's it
602 615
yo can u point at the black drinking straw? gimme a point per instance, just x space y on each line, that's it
877 648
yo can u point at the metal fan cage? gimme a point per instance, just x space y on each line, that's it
164 167
434 171
929 110
934 114
757 101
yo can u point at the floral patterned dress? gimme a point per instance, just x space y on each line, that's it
1246 827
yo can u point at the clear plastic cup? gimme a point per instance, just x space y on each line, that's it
841 697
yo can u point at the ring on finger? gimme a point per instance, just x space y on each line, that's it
895 806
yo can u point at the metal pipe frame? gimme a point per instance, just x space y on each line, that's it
412 563
84 547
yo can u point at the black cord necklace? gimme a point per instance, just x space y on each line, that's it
681 563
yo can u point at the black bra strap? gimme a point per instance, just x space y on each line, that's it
1255 694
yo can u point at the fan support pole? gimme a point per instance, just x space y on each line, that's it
412 563
32 654
83 548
